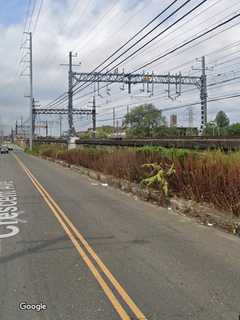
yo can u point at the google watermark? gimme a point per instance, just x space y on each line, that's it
24 306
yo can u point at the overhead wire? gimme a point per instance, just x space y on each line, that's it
116 51
37 16
203 34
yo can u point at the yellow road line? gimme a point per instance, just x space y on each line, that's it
72 232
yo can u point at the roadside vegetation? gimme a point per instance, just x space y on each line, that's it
210 176
147 121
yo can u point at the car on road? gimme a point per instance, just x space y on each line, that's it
3 150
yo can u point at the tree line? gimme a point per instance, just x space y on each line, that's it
146 121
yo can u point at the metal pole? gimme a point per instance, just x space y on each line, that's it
2 136
70 96
117 128
12 135
46 128
33 119
203 96
31 94
129 84
60 126
114 117
94 116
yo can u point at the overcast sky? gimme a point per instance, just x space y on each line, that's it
94 29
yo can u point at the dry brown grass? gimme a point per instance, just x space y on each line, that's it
212 176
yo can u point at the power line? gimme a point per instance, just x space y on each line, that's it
59 99
188 42
164 20
187 22
184 106
32 13
38 15
139 32
169 16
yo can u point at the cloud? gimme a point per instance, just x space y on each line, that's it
95 29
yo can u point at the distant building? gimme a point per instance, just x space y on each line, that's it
173 120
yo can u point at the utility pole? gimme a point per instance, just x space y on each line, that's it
33 118
203 95
71 130
60 126
94 116
30 75
114 120
46 127
31 93
117 129
12 135
70 96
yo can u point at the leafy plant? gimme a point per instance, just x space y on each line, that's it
209 176
159 176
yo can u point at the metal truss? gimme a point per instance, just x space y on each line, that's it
62 111
136 78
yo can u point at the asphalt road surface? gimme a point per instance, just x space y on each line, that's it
77 249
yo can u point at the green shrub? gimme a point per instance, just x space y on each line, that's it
210 176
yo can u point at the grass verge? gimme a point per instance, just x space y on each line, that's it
210 176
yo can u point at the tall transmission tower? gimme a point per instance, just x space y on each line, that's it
29 62
71 130
203 93
70 97
94 116
203 96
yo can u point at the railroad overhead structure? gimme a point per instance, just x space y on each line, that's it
151 79
70 111
62 111
135 78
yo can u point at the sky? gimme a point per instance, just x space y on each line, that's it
94 29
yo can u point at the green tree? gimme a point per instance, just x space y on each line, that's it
164 131
222 120
142 120
86 135
104 132
234 129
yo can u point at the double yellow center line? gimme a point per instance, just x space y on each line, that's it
89 256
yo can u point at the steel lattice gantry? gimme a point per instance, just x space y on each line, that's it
62 111
150 79
131 78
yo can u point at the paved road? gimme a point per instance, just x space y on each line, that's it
157 265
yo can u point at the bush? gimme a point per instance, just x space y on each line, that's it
210 176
